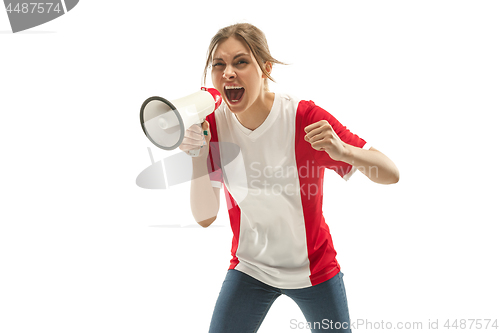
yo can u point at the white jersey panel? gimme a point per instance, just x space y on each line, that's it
264 182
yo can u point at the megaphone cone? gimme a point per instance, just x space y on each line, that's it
165 122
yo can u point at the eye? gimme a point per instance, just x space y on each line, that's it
241 62
217 64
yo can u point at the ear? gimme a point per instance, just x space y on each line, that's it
269 68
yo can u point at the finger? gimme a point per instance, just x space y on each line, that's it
194 142
322 128
312 126
317 124
320 133
206 130
194 128
205 127
186 147
189 148
310 139
317 141
193 135
319 145
314 133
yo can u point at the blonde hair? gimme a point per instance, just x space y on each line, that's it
253 37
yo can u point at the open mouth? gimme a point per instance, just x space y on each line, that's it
234 93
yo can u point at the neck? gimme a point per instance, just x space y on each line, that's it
255 115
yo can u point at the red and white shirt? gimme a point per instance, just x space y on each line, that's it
273 182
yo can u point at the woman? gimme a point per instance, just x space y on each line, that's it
281 242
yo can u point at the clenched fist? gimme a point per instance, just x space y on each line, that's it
322 137
194 138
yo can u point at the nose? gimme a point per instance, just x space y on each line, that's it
229 73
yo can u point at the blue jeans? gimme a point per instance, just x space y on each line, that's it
244 302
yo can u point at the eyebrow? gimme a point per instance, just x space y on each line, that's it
236 56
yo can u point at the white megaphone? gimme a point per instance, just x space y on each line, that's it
165 123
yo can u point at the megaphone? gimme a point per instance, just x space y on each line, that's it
165 123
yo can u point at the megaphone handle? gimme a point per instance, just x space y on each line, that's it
196 152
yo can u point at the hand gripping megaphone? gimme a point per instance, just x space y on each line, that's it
165 123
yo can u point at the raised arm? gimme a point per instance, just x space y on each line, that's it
372 163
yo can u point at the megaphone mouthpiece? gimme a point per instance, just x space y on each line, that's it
215 94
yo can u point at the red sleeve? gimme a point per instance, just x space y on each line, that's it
213 159
311 114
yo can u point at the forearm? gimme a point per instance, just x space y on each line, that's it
204 197
373 164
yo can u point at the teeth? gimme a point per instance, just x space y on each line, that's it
232 87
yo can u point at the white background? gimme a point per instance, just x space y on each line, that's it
83 249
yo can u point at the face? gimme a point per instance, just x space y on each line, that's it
237 75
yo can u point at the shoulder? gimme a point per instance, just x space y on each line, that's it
286 98
302 105
305 111
287 102
308 111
